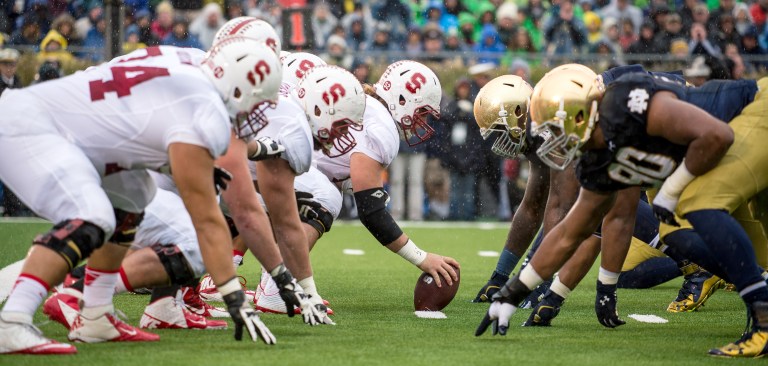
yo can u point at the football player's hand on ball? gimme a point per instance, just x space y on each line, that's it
445 266
221 179
497 316
244 316
264 148
605 306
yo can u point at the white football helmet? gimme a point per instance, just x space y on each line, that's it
334 102
297 64
412 92
247 76
252 28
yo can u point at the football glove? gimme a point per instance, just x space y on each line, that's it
664 208
322 310
294 297
244 316
605 306
221 179
264 148
497 317
307 205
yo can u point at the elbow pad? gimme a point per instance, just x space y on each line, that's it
372 209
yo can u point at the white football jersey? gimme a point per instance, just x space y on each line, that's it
288 126
124 114
379 140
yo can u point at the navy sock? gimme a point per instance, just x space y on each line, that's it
533 248
650 273
507 262
732 249
688 244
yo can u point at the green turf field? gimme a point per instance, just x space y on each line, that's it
372 296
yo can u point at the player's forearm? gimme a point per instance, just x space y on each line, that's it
293 245
254 227
705 152
216 247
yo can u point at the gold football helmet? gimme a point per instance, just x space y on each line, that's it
501 106
564 112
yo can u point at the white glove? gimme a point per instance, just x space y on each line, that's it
243 315
497 317
264 148
322 310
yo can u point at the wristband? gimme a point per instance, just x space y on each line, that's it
677 181
412 253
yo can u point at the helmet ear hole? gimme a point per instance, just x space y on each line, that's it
518 111
579 118
237 93
402 100
318 112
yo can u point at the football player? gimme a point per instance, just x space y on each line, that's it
636 143
86 152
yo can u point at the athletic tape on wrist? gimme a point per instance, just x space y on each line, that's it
412 253
230 287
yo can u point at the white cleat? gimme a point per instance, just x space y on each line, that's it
99 324
170 313
19 336
268 298
208 291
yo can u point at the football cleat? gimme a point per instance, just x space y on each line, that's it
268 298
491 287
208 291
696 289
99 324
754 342
195 304
546 310
170 313
63 306
20 337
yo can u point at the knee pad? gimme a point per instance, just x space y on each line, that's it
125 229
175 264
74 240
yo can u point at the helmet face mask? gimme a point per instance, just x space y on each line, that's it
248 125
501 108
338 141
564 113
412 93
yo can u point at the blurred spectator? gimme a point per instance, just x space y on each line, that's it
28 35
397 15
701 16
433 46
593 24
234 9
323 23
672 29
520 45
357 37
413 45
454 44
137 5
645 44
751 47
361 12
84 24
381 38
468 28
758 11
54 48
206 24
564 33
726 7
461 147
520 68
679 49
698 72
336 52
507 20
686 13
48 70
9 59
486 14
736 65
362 71
180 36
622 9
490 46
406 175
700 42
481 75
144 23
627 35
726 32
454 7
37 11
742 17
659 17
436 16
94 41
163 23
132 39
65 25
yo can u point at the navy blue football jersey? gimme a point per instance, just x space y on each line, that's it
633 158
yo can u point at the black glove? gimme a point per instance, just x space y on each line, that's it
605 306
665 216
244 315
221 179
307 205
264 148
294 297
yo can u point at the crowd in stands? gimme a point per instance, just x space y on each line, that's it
710 38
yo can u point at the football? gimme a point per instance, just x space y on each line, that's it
428 297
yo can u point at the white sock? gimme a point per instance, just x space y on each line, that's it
560 289
237 257
308 284
99 287
607 277
530 278
27 294
122 283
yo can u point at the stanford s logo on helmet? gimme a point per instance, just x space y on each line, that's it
412 93
297 64
247 75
